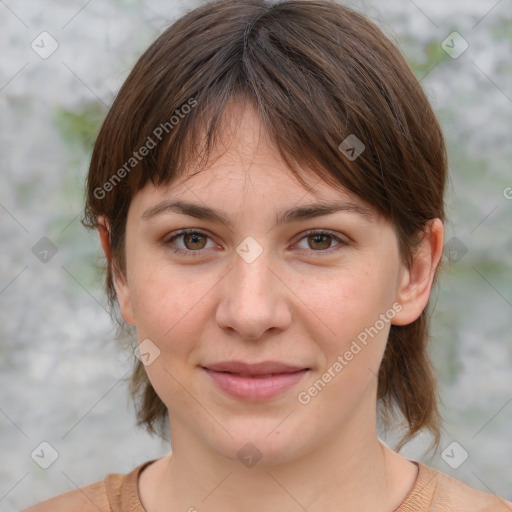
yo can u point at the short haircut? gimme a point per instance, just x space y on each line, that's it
318 74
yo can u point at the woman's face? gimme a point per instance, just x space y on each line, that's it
258 288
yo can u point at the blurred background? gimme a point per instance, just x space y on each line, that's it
62 372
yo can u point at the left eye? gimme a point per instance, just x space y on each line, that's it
194 241
319 241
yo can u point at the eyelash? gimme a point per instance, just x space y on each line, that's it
196 253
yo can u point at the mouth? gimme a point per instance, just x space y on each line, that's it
254 382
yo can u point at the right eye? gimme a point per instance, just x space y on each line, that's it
193 242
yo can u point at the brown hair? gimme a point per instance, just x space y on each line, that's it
317 72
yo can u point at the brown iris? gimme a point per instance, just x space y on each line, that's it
193 238
316 241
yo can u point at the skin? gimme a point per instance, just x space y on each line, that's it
302 301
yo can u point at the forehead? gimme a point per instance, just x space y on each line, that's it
227 192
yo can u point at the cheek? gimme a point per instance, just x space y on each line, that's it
169 311
168 305
352 301
357 309
352 347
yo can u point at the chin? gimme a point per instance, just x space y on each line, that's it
254 443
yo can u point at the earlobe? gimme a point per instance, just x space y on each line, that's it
120 283
123 295
416 282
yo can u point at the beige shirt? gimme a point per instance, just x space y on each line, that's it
433 491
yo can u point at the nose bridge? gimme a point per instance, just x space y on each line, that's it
251 275
252 303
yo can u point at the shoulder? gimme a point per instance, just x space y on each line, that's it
116 492
452 495
92 498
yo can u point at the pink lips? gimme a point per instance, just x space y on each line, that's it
259 381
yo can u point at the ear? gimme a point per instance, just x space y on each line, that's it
120 282
416 282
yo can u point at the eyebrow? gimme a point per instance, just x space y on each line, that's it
298 213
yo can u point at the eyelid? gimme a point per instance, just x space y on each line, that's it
342 240
320 231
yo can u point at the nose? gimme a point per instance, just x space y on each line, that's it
254 299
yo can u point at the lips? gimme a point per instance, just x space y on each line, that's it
254 382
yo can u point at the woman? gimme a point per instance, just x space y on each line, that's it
268 188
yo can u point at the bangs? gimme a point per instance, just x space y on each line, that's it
307 107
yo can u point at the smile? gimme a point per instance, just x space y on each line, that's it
254 385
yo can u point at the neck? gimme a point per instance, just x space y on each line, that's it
351 471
